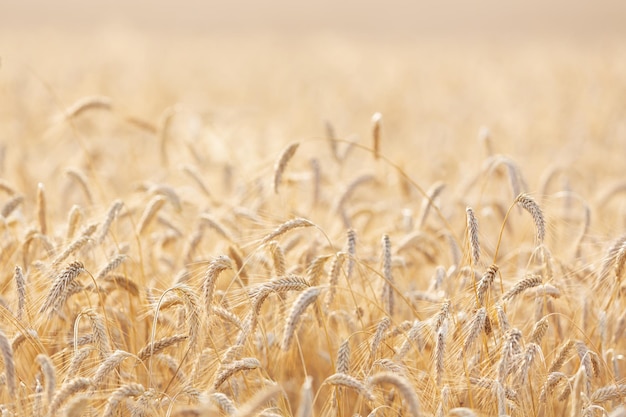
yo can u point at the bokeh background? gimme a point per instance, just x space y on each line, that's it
374 18
254 76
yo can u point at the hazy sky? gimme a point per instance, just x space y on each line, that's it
391 17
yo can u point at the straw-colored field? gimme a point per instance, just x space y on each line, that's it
220 226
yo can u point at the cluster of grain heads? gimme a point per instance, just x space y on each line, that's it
202 307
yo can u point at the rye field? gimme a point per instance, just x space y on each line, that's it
321 227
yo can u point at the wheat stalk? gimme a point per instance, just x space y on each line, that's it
41 209
562 356
225 403
81 179
228 370
376 127
216 267
158 346
476 327
112 213
9 364
333 279
49 373
77 360
281 163
59 290
153 207
285 227
382 327
120 394
348 381
539 330
88 103
485 283
67 391
20 285
302 302
73 218
531 206
472 234
609 393
278 257
439 352
414 335
195 176
403 386
10 206
388 284
107 366
530 281
111 266
76 245
432 193
100 336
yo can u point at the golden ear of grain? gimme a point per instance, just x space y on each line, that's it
158 346
128 390
476 327
439 352
349 381
108 365
67 391
472 233
153 207
111 215
376 127
11 205
302 302
49 373
343 358
403 386
41 209
9 365
609 393
228 370
285 227
382 327
530 205
87 103
432 193
81 179
388 285
223 402
530 281
76 245
281 163
73 218
217 265
20 286
111 266
278 257
58 291
413 337
485 283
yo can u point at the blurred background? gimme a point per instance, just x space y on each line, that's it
349 17
548 75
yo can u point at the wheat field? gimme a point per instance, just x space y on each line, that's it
327 227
